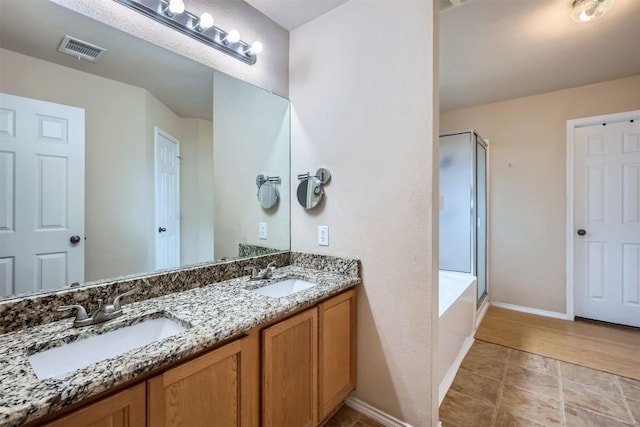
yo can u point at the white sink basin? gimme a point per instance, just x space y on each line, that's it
284 288
59 361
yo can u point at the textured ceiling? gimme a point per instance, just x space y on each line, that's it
494 50
290 14
490 50
183 85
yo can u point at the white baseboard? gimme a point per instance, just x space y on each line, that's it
453 369
546 313
481 313
374 413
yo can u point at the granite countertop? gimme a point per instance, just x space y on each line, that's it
212 313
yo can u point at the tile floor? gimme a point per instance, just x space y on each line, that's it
347 417
500 386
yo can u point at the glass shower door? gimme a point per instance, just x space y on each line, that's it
456 226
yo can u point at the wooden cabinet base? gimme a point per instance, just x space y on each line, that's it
123 409
289 372
337 351
306 365
212 390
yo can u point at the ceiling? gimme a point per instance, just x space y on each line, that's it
490 50
290 14
494 50
185 86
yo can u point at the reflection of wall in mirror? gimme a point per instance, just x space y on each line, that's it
119 163
251 136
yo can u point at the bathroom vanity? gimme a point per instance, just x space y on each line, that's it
244 359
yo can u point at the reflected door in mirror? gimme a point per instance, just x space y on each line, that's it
167 202
41 195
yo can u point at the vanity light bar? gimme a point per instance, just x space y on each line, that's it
188 23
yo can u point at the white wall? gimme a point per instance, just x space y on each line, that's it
270 71
251 136
363 105
527 184
119 123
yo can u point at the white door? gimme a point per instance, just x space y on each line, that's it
607 222
41 195
167 200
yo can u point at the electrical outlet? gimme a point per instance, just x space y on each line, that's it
323 235
262 230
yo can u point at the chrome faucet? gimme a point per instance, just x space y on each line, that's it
262 274
102 314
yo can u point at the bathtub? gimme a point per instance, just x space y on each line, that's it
457 307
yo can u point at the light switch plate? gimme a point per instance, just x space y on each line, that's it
262 230
323 235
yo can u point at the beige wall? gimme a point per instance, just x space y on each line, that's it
251 136
271 70
527 183
196 191
363 106
119 122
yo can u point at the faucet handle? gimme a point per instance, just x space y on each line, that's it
81 313
116 301
253 270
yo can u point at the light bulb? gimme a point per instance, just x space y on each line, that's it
175 7
584 16
205 22
590 10
233 36
255 49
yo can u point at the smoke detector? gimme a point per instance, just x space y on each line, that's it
449 4
81 49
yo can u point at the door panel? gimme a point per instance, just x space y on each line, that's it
7 191
42 194
631 194
630 276
596 194
607 207
596 268
52 192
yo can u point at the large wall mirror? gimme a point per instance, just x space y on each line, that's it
142 161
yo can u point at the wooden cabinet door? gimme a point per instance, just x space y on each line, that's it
211 390
337 351
123 409
289 372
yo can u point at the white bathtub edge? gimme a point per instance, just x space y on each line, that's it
531 310
374 413
453 369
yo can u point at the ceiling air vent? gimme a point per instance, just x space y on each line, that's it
448 4
81 49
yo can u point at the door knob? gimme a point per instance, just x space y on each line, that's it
582 232
161 229
74 240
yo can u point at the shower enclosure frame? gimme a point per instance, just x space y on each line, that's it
475 224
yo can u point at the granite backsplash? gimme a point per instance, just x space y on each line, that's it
31 310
